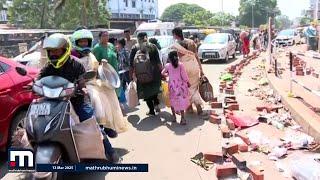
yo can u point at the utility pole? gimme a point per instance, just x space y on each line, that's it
316 9
221 5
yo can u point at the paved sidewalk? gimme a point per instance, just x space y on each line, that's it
307 118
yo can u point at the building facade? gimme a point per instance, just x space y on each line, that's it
314 11
133 9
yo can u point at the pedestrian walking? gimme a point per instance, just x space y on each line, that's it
105 50
124 63
129 42
146 69
244 38
188 55
178 86
311 34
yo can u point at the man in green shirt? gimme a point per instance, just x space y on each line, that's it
106 50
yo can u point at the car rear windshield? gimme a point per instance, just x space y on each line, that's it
216 39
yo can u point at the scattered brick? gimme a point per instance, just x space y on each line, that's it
231 97
229 149
244 137
239 160
216 105
215 119
229 91
256 173
299 73
221 90
233 107
227 112
225 131
216 157
243 148
226 170
230 124
214 99
230 101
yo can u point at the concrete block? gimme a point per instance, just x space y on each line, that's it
230 124
256 173
216 157
216 105
215 119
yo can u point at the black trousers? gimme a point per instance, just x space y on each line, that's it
152 102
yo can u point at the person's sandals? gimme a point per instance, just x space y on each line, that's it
183 121
151 114
174 119
157 108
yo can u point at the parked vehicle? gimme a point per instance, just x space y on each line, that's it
155 29
288 37
218 46
15 97
165 42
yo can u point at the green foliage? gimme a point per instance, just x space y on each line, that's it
177 12
260 9
62 14
305 21
283 22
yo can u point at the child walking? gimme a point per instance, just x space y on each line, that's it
178 86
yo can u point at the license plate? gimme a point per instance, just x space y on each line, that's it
42 109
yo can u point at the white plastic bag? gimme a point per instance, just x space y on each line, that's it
305 168
132 95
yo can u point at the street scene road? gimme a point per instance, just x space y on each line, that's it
191 91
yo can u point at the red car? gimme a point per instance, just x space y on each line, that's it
15 97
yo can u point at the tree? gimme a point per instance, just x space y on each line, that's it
283 22
221 19
200 18
33 13
176 12
258 11
64 14
305 21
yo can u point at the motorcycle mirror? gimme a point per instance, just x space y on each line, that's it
89 75
21 71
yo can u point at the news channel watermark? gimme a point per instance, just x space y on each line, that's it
23 160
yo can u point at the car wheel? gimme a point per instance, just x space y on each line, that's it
234 55
17 123
227 58
201 60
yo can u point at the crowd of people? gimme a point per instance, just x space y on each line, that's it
134 61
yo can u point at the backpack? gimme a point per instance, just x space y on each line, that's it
142 67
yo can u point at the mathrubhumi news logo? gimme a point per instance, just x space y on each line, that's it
21 160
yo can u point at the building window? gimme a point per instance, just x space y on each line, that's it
126 1
134 4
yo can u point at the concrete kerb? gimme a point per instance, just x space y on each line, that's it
304 123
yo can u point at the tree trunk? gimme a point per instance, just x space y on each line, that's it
84 13
43 14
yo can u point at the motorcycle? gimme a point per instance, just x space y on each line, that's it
49 122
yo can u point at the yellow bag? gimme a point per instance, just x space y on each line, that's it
165 93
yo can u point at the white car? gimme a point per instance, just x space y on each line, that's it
218 46
288 37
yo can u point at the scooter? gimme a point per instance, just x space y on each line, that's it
49 122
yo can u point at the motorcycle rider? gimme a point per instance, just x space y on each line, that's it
82 45
61 63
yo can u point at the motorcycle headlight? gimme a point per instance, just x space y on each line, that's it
52 93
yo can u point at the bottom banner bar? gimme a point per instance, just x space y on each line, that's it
92 167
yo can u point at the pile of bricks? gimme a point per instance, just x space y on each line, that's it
230 159
300 65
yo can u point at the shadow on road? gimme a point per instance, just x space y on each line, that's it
165 119
3 164
220 61
193 121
